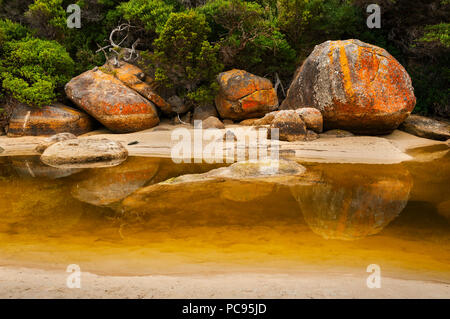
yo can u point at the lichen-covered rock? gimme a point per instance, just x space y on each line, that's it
312 118
177 104
248 122
265 120
356 86
311 136
425 127
243 95
85 152
48 120
290 126
212 122
202 112
43 145
112 103
136 79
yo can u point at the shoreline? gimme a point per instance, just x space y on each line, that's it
17 282
157 142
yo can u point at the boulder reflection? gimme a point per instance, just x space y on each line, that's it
31 166
353 201
108 186
105 186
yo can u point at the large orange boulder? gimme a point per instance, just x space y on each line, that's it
48 120
112 103
356 86
243 95
136 79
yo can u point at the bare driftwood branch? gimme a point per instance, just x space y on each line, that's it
279 83
130 53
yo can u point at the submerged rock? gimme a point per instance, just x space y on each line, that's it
48 120
352 202
105 186
54 139
85 152
425 127
356 86
240 182
112 103
243 95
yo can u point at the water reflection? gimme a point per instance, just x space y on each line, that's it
353 201
94 218
337 201
33 167
102 187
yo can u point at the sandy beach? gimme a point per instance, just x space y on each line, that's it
34 283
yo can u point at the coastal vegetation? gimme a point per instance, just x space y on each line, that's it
186 43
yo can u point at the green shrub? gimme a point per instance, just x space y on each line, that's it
12 31
437 33
248 36
149 14
183 57
310 22
33 70
48 19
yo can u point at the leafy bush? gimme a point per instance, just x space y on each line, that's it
32 70
11 31
149 14
204 36
310 22
248 37
183 57
437 33
47 18
431 87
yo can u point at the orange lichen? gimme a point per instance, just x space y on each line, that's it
348 86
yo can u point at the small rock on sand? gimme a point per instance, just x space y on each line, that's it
85 152
425 127
212 122
46 143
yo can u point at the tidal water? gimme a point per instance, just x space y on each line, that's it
344 218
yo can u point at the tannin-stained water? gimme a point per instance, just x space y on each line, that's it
343 218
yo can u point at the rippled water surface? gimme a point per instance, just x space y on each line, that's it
343 216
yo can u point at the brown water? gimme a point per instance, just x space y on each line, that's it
350 216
